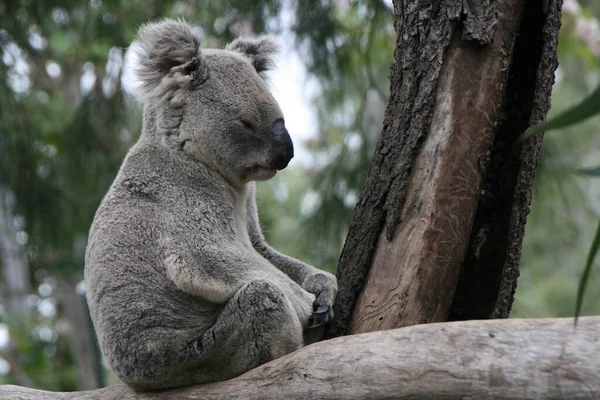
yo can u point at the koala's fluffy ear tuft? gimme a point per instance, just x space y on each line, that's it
164 58
261 51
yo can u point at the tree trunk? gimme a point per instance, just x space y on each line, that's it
513 359
14 280
84 345
437 232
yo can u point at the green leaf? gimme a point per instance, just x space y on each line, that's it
594 172
584 110
586 272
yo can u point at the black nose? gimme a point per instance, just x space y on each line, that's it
283 148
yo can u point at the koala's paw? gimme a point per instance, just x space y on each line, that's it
324 287
322 315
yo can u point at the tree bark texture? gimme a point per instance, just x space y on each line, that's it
499 359
437 232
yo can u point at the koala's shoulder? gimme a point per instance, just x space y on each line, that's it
133 197
143 177
122 221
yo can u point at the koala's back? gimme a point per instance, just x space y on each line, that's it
129 294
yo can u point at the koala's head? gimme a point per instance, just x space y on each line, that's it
212 105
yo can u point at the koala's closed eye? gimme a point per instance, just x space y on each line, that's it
247 124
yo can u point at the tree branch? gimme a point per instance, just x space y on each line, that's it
509 359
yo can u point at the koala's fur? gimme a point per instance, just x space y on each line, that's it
181 285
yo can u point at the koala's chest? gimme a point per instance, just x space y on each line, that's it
214 221
241 226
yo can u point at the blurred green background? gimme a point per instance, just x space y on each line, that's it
65 125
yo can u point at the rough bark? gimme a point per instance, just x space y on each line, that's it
500 359
462 86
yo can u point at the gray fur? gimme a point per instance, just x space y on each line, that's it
260 51
167 58
181 285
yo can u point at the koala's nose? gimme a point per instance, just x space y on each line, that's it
283 148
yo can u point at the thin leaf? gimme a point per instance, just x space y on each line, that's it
595 172
586 272
584 110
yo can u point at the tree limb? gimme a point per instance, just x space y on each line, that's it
508 359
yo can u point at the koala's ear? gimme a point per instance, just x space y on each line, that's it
164 58
261 51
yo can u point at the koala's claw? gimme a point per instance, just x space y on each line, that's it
324 287
319 317
317 321
321 309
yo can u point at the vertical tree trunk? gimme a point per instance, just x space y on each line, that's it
14 281
437 232
84 346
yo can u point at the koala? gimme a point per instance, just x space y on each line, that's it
181 285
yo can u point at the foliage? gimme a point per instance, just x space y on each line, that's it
586 272
584 110
354 90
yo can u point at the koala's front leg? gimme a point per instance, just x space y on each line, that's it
320 283
217 273
214 273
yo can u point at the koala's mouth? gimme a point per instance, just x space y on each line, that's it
261 174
